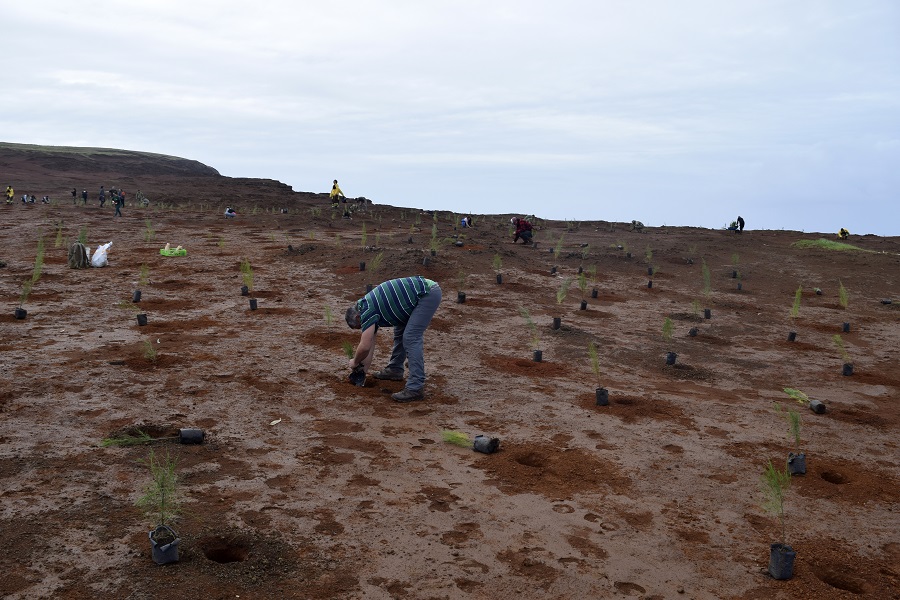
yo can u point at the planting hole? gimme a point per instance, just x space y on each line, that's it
531 460
843 581
835 477
221 550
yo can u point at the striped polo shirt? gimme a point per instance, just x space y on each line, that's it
391 303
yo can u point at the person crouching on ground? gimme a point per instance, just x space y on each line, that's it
229 213
523 230
407 304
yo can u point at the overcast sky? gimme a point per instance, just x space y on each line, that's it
678 112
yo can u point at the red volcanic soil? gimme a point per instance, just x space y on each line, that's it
309 487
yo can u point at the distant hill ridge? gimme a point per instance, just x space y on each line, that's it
63 159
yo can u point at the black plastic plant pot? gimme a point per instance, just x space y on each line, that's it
846 328
21 313
538 356
693 332
602 395
434 252
817 406
886 301
164 545
499 278
847 370
426 261
628 255
245 291
142 319
362 266
781 561
650 284
136 297
671 357
740 286
459 244
191 436
707 314
734 274
557 322
650 271
580 270
792 336
796 463
369 287
460 297
584 305
595 292
552 270
485 444
252 303
358 378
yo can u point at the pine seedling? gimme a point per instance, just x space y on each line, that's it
584 251
149 351
592 273
329 316
795 307
563 290
774 485
797 395
434 244
82 236
149 233
843 295
461 277
498 262
348 348
648 255
667 328
144 275
59 236
557 250
583 283
376 262
793 419
839 342
535 336
695 307
160 501
457 438
595 361
247 274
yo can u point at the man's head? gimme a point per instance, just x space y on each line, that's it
514 220
352 317
335 180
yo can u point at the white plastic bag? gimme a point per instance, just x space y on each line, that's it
99 257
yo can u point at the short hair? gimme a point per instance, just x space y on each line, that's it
352 317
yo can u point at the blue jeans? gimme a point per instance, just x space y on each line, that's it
409 339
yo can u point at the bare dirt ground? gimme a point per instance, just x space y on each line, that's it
350 495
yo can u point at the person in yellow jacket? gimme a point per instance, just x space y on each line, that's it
336 193
843 234
10 194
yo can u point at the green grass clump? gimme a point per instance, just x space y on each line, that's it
457 438
824 244
667 329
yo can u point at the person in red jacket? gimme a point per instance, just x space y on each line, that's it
523 230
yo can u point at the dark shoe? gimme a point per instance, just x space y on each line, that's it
407 395
389 375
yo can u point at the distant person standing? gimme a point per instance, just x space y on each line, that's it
102 197
336 193
10 194
119 202
740 222
84 197
74 196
